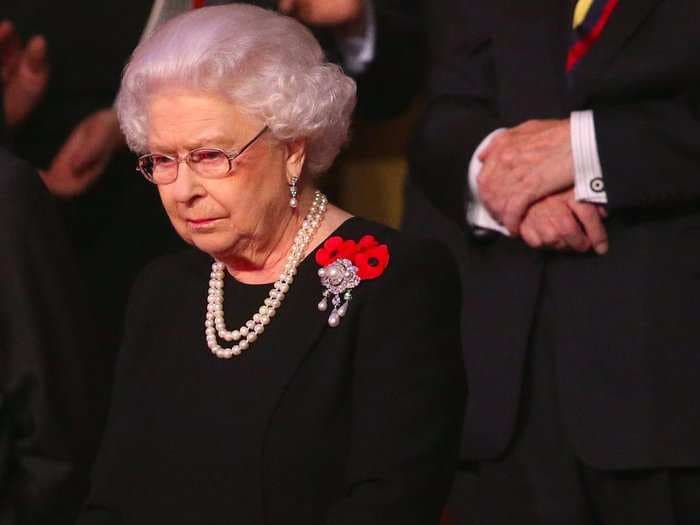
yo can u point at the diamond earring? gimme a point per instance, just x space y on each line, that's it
293 192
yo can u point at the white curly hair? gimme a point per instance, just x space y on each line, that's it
269 65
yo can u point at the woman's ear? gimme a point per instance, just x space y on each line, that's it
296 155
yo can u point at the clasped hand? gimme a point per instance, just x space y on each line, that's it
24 73
527 182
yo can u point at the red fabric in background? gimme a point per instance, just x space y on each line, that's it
196 4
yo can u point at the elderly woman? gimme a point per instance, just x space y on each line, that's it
328 387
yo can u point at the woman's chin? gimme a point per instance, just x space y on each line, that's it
211 244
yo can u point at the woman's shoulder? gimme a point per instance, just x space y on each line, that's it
403 271
408 254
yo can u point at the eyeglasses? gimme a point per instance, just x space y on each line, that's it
210 163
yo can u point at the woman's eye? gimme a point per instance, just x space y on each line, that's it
162 160
207 156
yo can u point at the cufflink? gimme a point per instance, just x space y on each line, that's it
597 185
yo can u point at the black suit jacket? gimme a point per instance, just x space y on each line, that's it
628 333
49 412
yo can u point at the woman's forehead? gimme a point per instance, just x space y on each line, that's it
191 120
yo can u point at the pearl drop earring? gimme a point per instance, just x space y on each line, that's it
293 192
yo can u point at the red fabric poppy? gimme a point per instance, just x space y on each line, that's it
367 242
335 248
372 262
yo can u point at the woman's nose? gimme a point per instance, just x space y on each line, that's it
186 185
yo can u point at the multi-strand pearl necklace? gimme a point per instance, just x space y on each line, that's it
248 333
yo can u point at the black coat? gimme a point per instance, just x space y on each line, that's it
627 336
312 424
49 413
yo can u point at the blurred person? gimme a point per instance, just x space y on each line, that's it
578 253
50 410
305 397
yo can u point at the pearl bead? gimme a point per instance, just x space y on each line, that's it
251 330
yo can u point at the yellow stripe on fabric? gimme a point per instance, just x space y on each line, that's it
582 8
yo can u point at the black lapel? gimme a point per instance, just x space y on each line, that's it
530 47
627 17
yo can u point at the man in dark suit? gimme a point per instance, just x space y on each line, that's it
577 240
50 379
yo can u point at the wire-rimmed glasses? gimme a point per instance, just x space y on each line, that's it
210 163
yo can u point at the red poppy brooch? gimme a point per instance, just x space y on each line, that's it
344 265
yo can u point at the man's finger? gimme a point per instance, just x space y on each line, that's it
286 6
6 29
530 236
10 47
515 210
572 233
589 218
35 55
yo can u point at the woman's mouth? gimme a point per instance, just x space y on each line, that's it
201 223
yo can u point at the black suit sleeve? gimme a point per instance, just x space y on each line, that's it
395 75
461 109
49 413
408 394
650 150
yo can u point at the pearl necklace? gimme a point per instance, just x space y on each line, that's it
248 333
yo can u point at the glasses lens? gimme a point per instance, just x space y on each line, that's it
209 162
158 168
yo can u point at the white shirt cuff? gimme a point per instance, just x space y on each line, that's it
588 173
358 51
478 217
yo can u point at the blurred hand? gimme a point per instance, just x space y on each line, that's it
523 165
324 12
561 223
84 155
24 72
